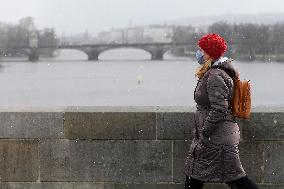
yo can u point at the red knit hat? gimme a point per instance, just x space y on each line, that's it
213 44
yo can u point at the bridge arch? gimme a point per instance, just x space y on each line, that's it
156 52
71 54
126 49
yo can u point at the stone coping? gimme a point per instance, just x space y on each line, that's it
256 109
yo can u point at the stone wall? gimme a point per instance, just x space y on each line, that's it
123 147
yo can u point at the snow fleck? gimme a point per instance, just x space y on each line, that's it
275 121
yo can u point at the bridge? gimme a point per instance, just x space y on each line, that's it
156 50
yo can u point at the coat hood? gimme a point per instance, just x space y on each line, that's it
227 65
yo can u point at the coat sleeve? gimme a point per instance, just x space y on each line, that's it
218 94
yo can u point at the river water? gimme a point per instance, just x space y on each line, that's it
123 77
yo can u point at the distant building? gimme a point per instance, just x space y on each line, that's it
79 39
149 34
135 34
158 34
112 37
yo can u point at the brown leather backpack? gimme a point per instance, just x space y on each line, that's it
241 103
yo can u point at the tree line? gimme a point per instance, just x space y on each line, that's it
17 35
245 41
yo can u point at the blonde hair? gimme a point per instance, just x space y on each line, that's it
201 70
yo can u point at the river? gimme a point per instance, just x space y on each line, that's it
123 77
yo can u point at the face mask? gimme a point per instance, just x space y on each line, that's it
199 56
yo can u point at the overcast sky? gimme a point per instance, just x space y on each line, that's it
74 16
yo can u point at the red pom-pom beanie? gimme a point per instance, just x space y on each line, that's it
213 44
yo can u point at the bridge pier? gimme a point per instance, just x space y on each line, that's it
93 55
34 55
158 54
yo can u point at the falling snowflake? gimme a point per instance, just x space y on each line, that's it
275 121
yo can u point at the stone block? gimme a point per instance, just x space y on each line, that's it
31 125
251 156
274 162
180 150
110 125
103 161
18 160
175 125
263 126
55 185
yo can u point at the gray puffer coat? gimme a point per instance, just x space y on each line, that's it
213 155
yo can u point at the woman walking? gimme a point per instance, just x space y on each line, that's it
213 155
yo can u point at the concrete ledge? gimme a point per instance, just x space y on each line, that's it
127 125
